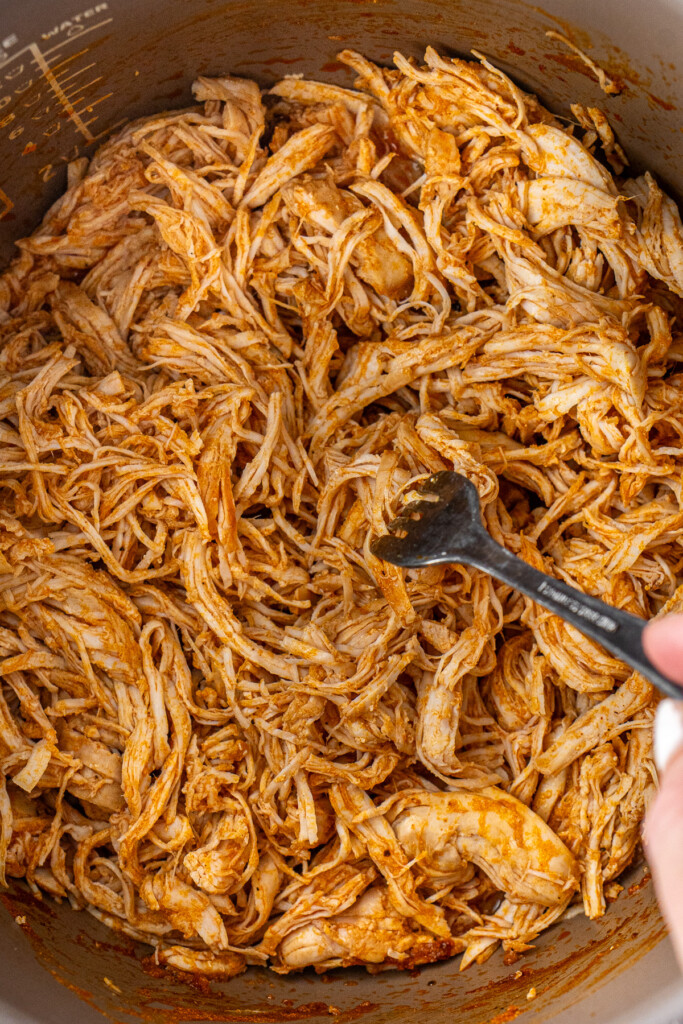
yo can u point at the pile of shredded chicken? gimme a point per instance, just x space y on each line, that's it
230 353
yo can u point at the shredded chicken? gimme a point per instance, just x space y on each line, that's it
229 354
608 85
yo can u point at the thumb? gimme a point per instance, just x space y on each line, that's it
664 823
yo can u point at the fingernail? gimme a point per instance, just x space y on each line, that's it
668 733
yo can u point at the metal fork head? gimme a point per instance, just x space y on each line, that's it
442 526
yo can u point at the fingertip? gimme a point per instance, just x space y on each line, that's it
663 645
663 828
668 732
663 842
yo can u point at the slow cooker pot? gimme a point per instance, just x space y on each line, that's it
69 76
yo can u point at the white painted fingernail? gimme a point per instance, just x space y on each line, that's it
668 734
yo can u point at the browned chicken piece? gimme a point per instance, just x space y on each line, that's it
522 856
229 355
371 931
189 911
203 961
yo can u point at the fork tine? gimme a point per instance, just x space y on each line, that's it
404 521
419 505
435 531
433 483
399 523
390 549
446 482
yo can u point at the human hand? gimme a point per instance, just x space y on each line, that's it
663 643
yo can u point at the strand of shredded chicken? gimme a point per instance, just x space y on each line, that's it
229 354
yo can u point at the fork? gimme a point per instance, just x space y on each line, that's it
445 525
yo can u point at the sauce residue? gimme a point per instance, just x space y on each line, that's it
659 102
511 1013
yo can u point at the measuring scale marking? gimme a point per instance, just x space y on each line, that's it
42 59
7 204
59 93
43 88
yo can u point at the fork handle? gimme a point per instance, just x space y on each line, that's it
619 632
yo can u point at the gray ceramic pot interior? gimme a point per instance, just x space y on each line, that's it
68 77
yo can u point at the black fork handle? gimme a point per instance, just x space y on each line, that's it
619 632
